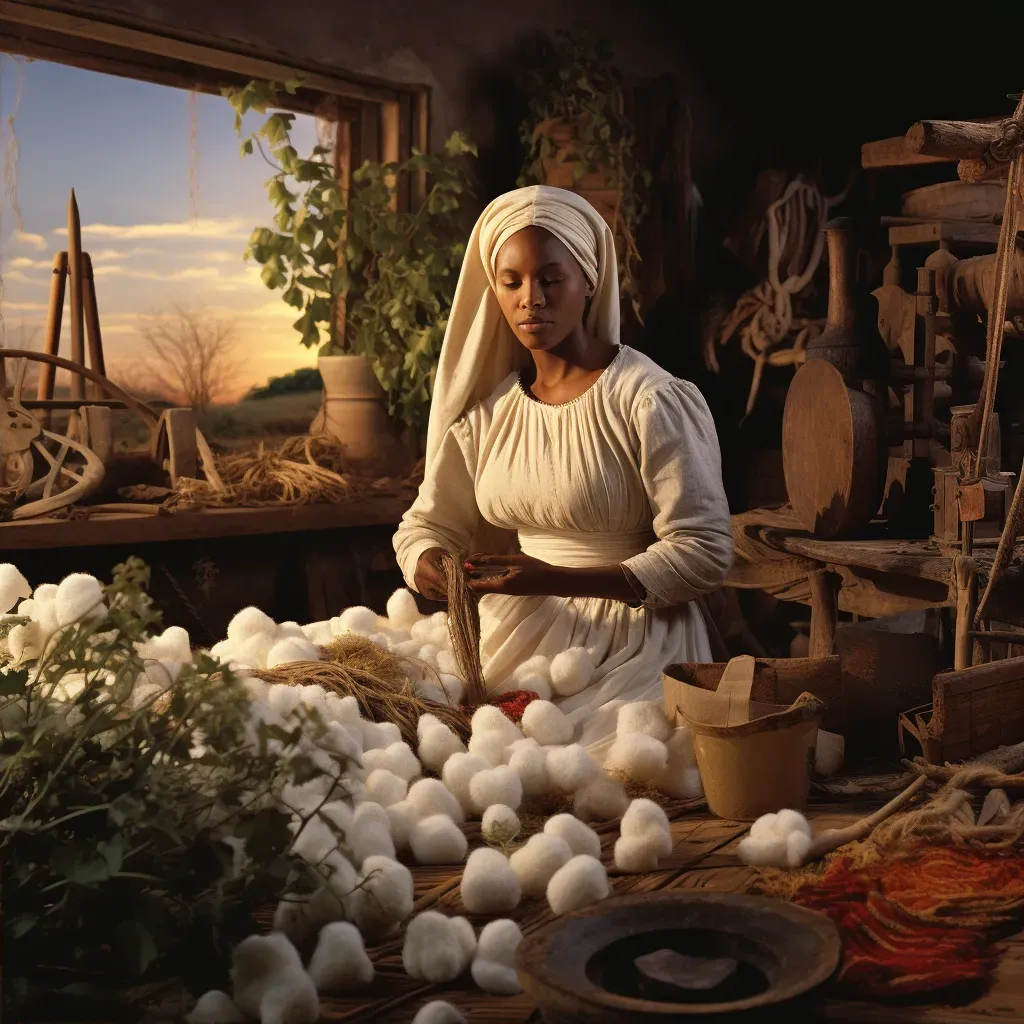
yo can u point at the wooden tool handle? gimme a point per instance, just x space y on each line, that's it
956 140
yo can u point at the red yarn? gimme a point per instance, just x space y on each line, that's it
512 704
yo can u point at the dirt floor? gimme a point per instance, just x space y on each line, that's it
703 858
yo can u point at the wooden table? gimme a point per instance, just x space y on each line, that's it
873 578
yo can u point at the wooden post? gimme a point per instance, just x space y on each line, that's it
421 140
390 141
343 174
93 335
75 271
824 613
965 581
51 342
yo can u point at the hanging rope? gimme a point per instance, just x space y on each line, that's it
765 315
464 629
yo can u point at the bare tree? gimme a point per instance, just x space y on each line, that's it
198 354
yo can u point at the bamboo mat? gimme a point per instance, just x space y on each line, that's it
703 857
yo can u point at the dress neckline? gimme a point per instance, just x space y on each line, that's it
527 394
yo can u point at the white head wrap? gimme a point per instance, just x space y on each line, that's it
479 349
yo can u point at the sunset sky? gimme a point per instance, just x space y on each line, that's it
125 148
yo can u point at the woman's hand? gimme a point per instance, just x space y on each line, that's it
515 575
429 577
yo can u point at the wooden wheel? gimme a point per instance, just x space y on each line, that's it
175 444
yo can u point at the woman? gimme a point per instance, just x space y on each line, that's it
606 466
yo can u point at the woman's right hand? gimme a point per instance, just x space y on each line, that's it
429 577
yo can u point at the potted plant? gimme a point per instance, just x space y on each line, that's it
578 136
373 284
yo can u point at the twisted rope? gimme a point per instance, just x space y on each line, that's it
464 629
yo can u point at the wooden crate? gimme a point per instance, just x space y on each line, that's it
776 681
972 712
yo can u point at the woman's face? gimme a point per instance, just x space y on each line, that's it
540 287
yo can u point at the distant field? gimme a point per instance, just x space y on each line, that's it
271 419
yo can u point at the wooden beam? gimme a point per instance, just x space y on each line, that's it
91 29
953 140
824 614
421 140
894 153
391 140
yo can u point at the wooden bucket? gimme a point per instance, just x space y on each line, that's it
753 758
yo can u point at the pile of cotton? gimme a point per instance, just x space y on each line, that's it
255 641
489 885
577 884
777 840
644 837
492 735
437 948
269 982
494 964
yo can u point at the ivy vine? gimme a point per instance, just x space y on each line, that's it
394 269
574 84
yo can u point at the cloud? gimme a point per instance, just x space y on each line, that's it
188 274
26 262
26 307
123 254
205 227
22 278
221 256
30 241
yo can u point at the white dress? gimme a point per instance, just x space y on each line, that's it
629 472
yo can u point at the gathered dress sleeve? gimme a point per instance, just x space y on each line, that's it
681 468
445 513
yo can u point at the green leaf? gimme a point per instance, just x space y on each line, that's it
135 946
247 147
276 128
13 682
79 864
266 834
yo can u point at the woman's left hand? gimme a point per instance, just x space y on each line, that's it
515 575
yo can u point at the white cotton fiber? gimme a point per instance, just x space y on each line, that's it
636 854
370 835
428 653
498 785
379 736
248 623
776 840
637 756
318 633
356 620
500 824
290 628
571 768
581 838
385 788
604 799
315 841
421 630
646 716
383 896
680 779
339 962
528 759
302 919
431 796
253 653
291 649
534 683
458 772
645 817
397 757
437 743
437 948
437 840
215 1007
489 885
546 723
491 746
407 649
578 884
46 592
401 819
13 587
78 596
402 610
453 688
340 740
536 862
494 964
446 663
269 984
571 671
438 1012
538 665
489 719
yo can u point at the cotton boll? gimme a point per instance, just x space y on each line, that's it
385 788
678 780
339 962
291 628
253 653
446 663
636 854
428 653
578 884
431 796
438 619
378 736
402 609
500 824
829 753
459 771
489 719
437 743
283 699
383 897
571 671
290 649
494 964
318 633
581 838
315 841
250 622
489 885
215 1007
644 817
546 723
776 840
534 683
637 756
407 649
401 819
13 587
382 640
78 596
340 740
370 835
644 716
24 641
438 1012
302 919
437 840
535 863
431 691
421 630
499 785
397 757
490 746
571 768
369 813
46 592
437 948
453 687
604 799
358 620
538 665
269 984
530 764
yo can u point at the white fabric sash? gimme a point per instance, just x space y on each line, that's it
583 550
